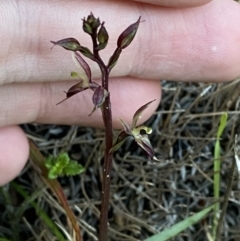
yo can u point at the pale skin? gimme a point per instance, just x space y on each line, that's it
177 41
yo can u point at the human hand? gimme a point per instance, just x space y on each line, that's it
191 44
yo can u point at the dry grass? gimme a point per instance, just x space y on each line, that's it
146 197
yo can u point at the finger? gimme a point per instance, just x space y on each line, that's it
192 44
14 151
176 3
24 103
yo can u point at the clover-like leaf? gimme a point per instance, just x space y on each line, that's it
56 165
62 165
139 112
73 168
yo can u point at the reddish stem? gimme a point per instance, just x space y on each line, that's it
107 166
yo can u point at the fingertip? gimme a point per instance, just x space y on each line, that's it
14 151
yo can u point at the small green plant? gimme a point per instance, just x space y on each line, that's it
101 100
40 167
62 166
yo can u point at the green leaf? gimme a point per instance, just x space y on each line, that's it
217 172
222 125
73 168
56 165
62 166
179 227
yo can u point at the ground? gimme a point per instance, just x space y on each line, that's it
146 196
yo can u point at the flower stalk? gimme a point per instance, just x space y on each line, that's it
101 98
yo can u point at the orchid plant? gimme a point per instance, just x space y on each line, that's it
101 97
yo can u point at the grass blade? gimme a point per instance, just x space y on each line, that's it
217 171
179 227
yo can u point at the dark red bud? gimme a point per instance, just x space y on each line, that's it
75 89
128 35
99 97
68 43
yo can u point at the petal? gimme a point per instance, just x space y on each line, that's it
126 127
77 58
138 113
145 144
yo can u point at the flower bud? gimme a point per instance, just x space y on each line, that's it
75 89
102 37
91 24
128 35
98 97
68 43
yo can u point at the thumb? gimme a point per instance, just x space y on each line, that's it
14 151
